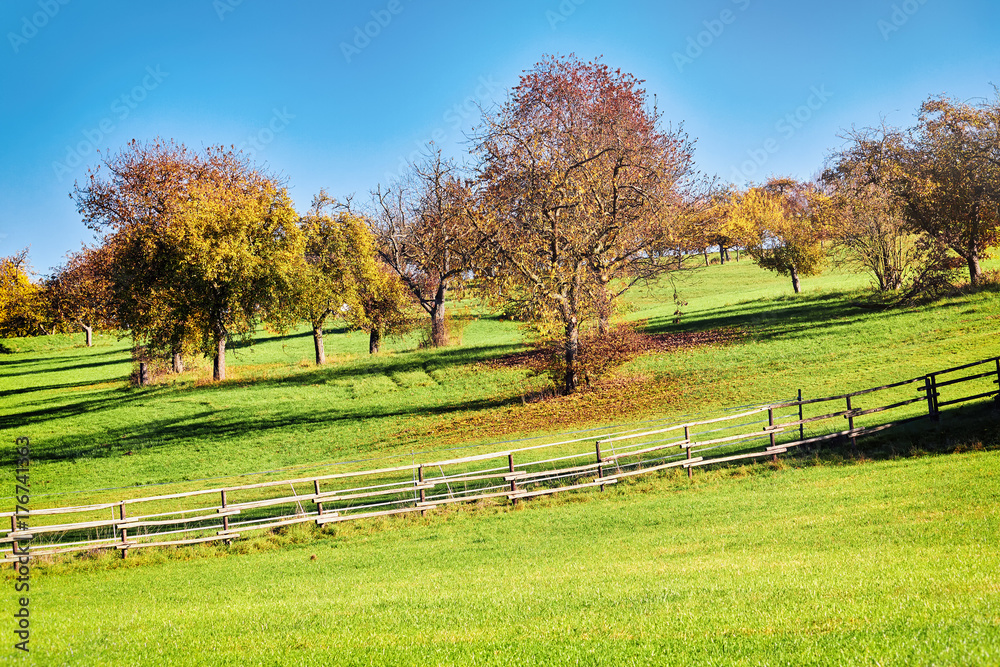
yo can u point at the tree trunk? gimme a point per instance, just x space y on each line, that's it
726 250
795 281
572 352
439 332
90 335
143 374
722 256
178 363
975 271
374 341
706 257
603 324
219 363
737 254
318 344
570 309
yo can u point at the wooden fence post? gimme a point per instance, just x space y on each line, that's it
802 427
600 468
932 397
319 505
121 516
225 519
996 399
687 439
770 426
850 425
423 495
513 482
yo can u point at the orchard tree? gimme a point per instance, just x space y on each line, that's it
953 189
945 171
23 307
383 308
205 246
579 183
781 225
340 262
80 291
425 233
868 223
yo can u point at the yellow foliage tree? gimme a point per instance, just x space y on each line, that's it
23 310
781 225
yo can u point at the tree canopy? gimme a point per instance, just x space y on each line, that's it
944 172
205 245
781 225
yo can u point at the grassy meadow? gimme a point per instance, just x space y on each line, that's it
889 558
890 563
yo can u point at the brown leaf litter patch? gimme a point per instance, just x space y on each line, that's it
604 394
624 344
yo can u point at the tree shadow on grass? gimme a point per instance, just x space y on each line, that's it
54 387
970 427
229 424
107 399
59 369
427 361
236 423
783 317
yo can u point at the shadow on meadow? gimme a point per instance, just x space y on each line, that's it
785 317
54 361
238 423
234 425
52 387
411 361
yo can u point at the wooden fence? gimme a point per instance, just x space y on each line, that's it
597 460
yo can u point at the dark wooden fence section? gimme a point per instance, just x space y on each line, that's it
597 460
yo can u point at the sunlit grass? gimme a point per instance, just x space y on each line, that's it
876 563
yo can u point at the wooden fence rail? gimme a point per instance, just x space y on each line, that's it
593 461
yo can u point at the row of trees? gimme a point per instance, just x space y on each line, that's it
578 192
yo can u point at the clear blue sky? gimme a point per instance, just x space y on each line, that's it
80 75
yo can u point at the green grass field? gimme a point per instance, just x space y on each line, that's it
886 563
891 560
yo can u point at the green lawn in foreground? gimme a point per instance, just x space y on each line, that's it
90 430
892 563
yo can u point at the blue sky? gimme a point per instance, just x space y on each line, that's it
340 94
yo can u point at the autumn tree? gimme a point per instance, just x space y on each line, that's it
383 308
781 225
23 307
945 171
205 246
868 223
424 232
578 180
340 263
80 290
